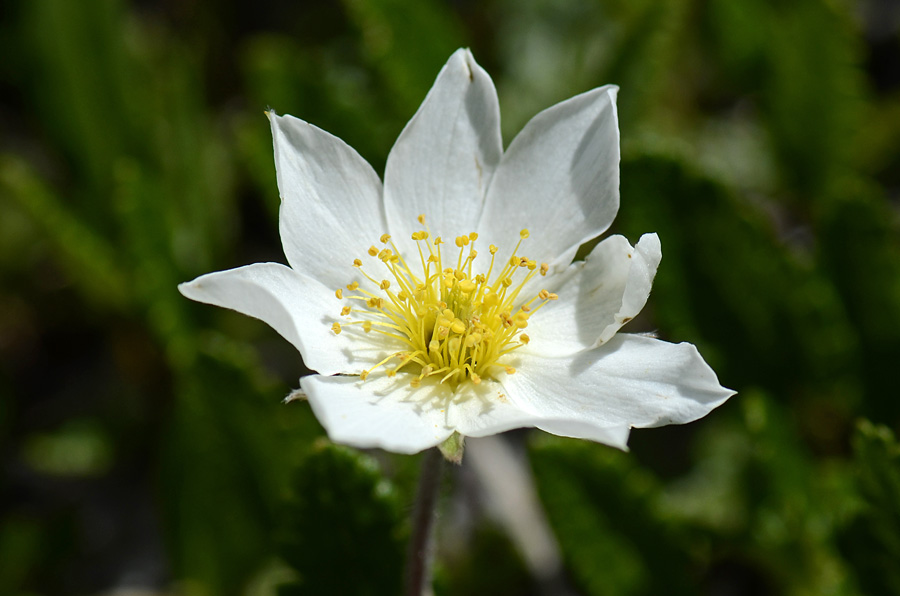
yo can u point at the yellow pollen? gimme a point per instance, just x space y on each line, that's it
339 293
453 317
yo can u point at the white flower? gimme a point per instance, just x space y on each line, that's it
493 327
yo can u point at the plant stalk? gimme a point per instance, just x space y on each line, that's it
421 541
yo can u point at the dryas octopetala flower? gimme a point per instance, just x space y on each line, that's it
446 300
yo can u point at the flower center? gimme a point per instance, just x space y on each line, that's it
456 325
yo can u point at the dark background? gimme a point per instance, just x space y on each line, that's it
143 442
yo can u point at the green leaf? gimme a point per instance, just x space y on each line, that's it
407 43
84 254
872 542
801 61
227 453
341 531
603 509
552 50
716 247
860 249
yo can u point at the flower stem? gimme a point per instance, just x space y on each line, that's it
418 557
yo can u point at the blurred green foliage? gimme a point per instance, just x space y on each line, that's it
142 433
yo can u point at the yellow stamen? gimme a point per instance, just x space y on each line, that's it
455 324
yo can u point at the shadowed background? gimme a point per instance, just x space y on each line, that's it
143 442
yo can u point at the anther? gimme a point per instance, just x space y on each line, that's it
336 327
524 234
385 284
353 285
421 219
493 249
524 338
510 370
385 238
544 295
372 251
544 268
357 263
345 311
473 236
339 293
466 286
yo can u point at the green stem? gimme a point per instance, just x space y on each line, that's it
418 557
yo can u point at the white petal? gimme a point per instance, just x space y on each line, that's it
596 297
300 309
330 201
614 436
445 157
387 413
559 178
630 380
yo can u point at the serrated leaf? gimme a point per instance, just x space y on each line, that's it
603 510
341 529
223 466
872 542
